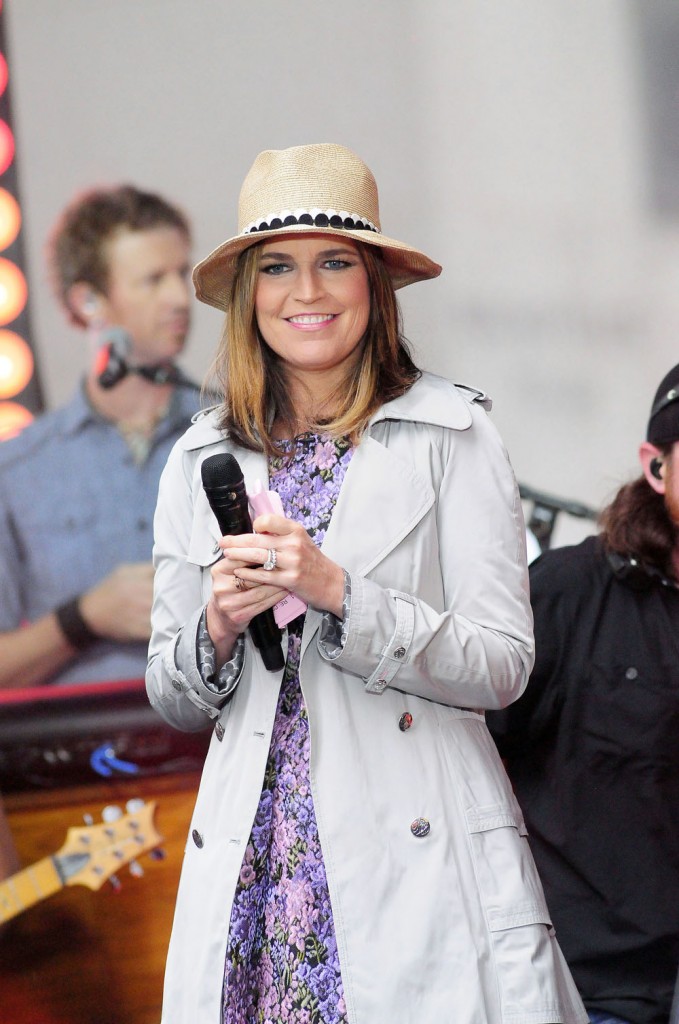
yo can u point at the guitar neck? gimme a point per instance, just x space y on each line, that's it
27 887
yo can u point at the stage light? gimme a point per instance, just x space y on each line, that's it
6 146
13 419
19 371
10 218
16 364
13 291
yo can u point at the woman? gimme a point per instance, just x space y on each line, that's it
356 854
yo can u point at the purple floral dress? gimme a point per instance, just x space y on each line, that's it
281 957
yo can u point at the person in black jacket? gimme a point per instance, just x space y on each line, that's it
592 747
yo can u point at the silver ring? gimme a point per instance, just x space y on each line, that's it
270 560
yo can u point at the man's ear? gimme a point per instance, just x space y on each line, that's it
653 464
86 303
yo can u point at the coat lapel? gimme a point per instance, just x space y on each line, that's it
381 501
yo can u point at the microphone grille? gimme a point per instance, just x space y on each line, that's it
221 470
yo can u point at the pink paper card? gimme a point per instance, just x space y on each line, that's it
269 503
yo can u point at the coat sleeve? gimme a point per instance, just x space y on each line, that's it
478 651
562 585
173 679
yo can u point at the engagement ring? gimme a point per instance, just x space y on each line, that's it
270 560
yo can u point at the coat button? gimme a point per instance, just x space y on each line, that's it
380 684
176 685
399 652
215 548
197 838
219 729
420 827
405 721
631 673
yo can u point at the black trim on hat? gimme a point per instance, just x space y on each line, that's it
319 220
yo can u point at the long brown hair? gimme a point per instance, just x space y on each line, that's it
636 523
252 377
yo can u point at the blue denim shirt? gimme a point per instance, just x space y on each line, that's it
73 506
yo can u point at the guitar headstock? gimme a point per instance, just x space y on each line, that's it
94 853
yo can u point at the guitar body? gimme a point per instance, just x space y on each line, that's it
87 952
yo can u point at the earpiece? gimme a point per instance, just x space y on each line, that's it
90 304
655 467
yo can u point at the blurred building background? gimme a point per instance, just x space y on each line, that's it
530 146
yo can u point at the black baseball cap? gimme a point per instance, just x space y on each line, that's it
663 423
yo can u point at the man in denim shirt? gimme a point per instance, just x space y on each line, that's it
78 487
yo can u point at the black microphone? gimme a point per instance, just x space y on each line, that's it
111 362
225 489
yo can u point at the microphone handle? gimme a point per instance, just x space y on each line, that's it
230 506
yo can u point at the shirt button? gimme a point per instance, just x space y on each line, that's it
631 673
399 652
142 524
405 721
219 729
420 827
197 838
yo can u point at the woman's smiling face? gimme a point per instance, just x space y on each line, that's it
312 302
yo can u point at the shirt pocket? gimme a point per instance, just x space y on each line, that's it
62 551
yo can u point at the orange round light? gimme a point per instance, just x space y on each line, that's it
13 419
13 291
10 218
4 74
16 364
6 146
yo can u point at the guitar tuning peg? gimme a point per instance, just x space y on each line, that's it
136 870
134 806
116 884
111 813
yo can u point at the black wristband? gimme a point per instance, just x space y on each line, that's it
74 627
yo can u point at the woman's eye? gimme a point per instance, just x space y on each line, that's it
336 264
275 268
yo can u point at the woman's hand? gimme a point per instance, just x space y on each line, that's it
233 603
301 568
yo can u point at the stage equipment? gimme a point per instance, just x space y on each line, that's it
20 390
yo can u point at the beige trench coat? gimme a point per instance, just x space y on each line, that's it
448 927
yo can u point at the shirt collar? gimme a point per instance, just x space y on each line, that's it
80 412
433 400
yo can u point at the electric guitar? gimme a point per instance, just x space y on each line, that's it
90 856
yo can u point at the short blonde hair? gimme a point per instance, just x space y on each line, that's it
252 378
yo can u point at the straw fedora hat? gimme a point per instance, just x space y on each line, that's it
322 187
